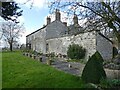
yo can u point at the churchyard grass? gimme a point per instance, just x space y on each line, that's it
83 61
19 71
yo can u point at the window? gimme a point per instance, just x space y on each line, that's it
47 47
28 45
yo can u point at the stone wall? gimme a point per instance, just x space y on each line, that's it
91 41
55 29
104 47
60 45
38 40
112 74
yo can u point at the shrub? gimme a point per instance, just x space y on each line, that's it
76 52
34 52
52 54
93 72
105 83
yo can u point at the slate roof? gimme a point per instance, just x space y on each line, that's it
74 29
36 31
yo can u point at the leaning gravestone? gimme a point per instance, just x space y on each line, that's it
93 71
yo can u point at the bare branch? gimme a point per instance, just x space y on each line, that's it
11 32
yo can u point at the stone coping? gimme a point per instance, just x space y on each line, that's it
112 74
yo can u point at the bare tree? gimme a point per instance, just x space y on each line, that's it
11 32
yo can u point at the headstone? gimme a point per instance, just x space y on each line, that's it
69 65
43 58
32 56
40 58
49 62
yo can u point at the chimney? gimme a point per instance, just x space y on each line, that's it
65 23
75 19
48 20
57 15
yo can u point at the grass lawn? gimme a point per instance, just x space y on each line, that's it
19 71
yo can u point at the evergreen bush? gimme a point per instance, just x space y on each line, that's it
76 52
93 71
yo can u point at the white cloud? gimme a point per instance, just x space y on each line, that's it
52 16
27 32
40 3
36 3
21 19
1 19
23 39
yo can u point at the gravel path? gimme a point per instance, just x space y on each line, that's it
74 68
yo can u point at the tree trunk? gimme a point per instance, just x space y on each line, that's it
10 46
119 42
116 32
118 45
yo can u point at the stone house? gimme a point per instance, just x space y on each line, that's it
56 36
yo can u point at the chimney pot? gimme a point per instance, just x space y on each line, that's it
57 15
48 20
75 19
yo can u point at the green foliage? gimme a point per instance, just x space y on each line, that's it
52 54
19 71
76 52
93 71
75 60
105 83
34 52
10 9
39 53
115 82
31 51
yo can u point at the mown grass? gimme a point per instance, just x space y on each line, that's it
19 71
